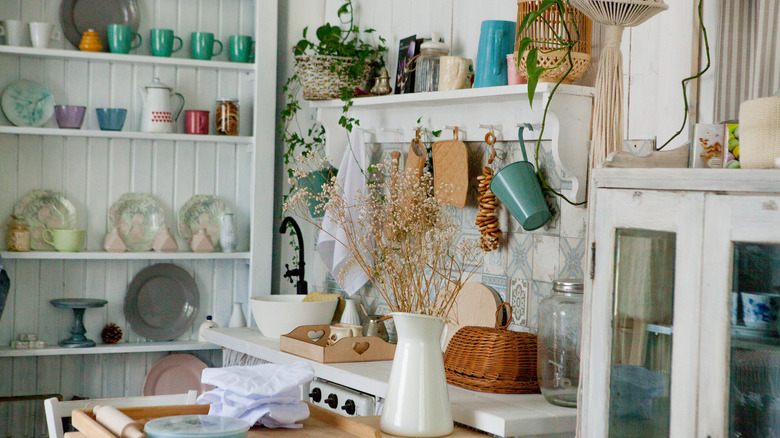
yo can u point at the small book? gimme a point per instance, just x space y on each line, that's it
404 78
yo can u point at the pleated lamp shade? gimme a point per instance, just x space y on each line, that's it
608 101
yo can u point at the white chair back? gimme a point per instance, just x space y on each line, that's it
57 410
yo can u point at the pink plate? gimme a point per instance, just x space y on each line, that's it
175 374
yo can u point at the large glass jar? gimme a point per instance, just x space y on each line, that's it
426 76
559 338
227 116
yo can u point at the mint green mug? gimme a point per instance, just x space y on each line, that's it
203 45
120 38
241 48
161 42
64 239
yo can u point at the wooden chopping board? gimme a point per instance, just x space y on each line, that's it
451 172
475 305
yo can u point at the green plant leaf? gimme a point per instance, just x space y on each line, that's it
534 72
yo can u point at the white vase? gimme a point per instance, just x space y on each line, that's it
417 403
350 314
237 317
227 233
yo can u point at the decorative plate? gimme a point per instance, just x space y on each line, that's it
76 16
202 212
139 217
27 103
161 302
175 374
43 209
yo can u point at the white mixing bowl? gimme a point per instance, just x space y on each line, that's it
278 315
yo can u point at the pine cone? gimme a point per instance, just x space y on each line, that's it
111 333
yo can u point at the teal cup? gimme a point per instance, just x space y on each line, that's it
120 38
240 49
161 42
203 45
517 187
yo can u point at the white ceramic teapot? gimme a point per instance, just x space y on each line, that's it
156 115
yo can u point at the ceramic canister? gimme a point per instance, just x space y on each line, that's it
496 40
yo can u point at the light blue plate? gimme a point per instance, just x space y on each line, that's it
27 103
200 426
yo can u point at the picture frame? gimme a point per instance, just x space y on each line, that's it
408 48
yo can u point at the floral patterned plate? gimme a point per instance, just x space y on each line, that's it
43 209
202 212
27 103
139 217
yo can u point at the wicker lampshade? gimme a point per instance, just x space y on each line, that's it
539 31
608 101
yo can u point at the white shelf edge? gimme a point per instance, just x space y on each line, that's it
25 130
127 347
453 96
102 255
124 58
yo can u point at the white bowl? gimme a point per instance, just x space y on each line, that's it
278 315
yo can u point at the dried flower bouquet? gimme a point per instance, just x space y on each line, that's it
401 236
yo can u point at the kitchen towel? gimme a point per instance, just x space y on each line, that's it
266 394
337 258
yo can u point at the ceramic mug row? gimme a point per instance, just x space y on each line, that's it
40 33
203 45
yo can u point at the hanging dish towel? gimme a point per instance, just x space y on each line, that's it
336 257
266 394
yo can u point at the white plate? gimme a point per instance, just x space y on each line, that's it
27 103
202 212
43 209
139 217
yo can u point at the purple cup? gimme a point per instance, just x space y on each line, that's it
69 116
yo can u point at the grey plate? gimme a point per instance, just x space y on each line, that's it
77 16
161 302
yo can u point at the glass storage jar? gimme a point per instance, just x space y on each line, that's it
18 235
227 116
426 77
559 338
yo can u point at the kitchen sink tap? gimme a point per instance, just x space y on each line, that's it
300 271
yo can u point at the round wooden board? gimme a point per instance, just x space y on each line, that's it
476 306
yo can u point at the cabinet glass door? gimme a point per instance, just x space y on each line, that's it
754 375
740 345
642 333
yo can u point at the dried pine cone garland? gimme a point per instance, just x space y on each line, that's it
111 334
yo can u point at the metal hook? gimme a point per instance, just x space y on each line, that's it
455 130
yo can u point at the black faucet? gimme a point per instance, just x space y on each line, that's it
300 271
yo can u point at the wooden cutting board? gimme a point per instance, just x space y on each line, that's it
451 172
475 305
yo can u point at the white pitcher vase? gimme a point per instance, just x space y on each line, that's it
417 402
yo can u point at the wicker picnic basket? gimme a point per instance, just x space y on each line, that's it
321 76
580 55
493 360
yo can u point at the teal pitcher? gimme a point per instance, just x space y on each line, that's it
496 40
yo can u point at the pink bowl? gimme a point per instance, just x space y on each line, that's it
69 116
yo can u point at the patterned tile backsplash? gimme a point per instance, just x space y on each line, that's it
526 263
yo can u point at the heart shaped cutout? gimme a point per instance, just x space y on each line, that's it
315 335
360 347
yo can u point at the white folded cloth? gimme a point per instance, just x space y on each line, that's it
336 256
265 394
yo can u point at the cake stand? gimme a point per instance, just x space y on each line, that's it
79 305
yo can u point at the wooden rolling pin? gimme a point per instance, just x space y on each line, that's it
118 423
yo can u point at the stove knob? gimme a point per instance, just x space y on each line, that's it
349 406
316 395
332 401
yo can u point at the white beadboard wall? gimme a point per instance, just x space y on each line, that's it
656 56
95 172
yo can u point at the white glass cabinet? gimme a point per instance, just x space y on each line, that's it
681 310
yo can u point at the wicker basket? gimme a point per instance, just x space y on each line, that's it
321 76
492 360
542 33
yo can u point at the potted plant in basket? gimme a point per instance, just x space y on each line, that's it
403 239
334 67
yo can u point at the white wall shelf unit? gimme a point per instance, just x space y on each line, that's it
392 118
102 255
94 168
124 347
125 58
131 135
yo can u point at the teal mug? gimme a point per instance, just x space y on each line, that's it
120 38
161 42
241 48
203 45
